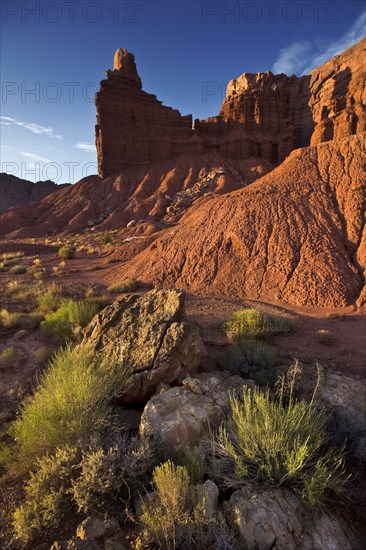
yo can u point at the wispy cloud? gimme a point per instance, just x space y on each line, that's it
302 57
35 158
84 146
31 126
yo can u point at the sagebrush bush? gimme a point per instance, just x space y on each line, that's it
249 358
66 253
268 441
178 506
128 285
18 269
68 318
71 402
50 299
77 481
325 337
48 500
255 322
42 355
10 320
8 357
105 238
194 462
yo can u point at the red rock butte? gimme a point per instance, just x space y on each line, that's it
263 115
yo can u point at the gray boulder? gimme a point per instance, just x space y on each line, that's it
178 418
277 519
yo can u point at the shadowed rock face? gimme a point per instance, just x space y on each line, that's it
263 115
15 192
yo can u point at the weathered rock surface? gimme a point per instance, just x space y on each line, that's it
15 192
150 338
276 518
296 234
178 417
94 534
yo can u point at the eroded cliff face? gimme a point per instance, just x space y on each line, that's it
264 116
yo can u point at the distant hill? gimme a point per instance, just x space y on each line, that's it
15 192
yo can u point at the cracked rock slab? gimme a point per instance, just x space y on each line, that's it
150 337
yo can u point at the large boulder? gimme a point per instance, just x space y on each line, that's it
177 418
150 337
95 534
276 518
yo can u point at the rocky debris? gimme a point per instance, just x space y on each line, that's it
296 235
276 518
16 192
100 219
132 223
150 337
94 534
178 417
211 494
184 199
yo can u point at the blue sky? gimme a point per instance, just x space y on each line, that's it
54 53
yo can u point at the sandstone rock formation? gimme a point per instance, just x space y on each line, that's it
263 115
15 192
94 534
296 234
179 417
150 339
276 518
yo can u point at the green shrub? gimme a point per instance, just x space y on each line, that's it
178 512
50 299
47 495
70 402
128 285
18 269
325 337
68 318
90 480
255 322
249 358
42 355
105 238
66 253
194 462
9 320
269 442
8 358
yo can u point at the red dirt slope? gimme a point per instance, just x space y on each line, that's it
296 235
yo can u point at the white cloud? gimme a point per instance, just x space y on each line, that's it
32 127
35 158
84 146
302 57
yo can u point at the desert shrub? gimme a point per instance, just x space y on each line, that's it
68 318
66 253
177 513
71 401
194 462
249 358
8 357
105 238
325 337
9 320
255 322
269 441
3 266
47 495
18 269
42 355
93 268
128 285
76 480
110 474
50 299
7 256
